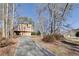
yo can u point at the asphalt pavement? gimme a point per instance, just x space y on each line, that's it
27 47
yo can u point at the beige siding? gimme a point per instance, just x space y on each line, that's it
25 29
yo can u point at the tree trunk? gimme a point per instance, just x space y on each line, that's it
6 20
11 27
3 23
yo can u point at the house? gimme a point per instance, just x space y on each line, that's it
72 33
24 29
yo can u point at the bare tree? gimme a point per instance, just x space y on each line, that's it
7 19
4 32
3 23
56 12
12 13
42 19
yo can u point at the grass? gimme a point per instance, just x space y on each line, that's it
56 46
73 40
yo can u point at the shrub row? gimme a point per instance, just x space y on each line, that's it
51 38
36 33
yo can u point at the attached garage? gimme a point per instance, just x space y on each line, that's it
25 33
24 29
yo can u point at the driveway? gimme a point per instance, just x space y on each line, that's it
27 47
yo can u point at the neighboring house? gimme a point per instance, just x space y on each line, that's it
24 29
72 33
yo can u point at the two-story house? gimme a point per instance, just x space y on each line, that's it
24 29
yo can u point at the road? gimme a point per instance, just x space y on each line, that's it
27 47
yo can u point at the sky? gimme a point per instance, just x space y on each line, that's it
73 18
29 10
